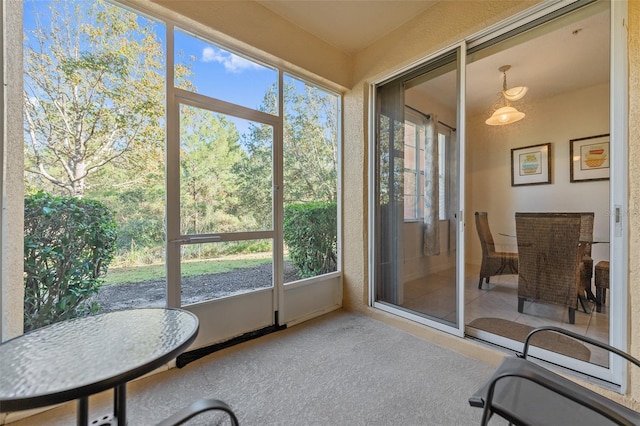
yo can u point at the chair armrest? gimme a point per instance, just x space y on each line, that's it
582 338
523 392
197 407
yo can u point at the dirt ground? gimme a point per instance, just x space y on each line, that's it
194 289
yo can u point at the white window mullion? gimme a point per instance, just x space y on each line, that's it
172 165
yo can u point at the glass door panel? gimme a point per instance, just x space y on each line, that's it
225 184
417 194
226 205
213 271
506 307
224 254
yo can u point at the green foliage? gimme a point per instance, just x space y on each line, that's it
310 150
209 149
68 244
310 232
94 94
139 216
94 121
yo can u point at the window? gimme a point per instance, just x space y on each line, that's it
414 134
206 173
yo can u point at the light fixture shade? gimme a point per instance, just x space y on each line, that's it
505 115
515 93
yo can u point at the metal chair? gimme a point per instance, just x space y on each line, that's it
199 406
525 393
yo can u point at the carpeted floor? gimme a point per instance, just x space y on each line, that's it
550 341
338 369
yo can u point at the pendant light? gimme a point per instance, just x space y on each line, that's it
507 114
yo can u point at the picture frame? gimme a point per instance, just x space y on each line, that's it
589 158
531 165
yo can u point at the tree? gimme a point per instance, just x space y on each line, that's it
94 92
310 150
209 151
310 145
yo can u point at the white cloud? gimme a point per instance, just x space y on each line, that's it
232 63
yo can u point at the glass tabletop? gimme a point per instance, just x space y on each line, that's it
83 356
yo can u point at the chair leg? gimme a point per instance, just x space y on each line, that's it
585 304
598 299
197 407
572 316
480 283
520 304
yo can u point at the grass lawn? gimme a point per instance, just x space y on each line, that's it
200 267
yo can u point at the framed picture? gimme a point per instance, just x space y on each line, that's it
589 158
531 165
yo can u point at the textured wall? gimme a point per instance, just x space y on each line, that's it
13 195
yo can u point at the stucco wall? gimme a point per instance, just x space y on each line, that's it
440 26
12 180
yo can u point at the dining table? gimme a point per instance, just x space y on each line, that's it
79 357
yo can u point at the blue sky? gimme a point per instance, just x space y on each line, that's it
224 75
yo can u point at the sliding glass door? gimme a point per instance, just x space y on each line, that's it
537 138
417 201
555 159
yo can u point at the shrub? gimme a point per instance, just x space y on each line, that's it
310 232
68 244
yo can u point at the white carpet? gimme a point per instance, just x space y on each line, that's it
339 369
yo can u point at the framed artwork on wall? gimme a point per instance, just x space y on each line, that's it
531 165
589 158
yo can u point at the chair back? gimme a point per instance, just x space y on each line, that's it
550 253
586 230
484 233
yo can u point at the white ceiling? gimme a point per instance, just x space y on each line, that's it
568 58
349 25
565 59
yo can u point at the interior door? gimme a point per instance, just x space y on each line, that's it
417 234
231 293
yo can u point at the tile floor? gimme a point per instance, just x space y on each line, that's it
435 296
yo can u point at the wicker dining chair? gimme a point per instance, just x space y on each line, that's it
493 262
586 269
550 259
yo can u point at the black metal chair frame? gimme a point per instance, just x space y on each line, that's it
520 367
197 407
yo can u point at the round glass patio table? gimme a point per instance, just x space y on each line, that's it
83 356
